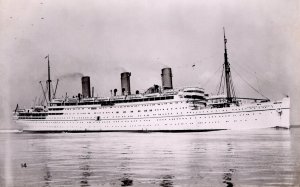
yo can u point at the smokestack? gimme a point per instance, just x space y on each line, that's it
125 83
166 77
86 87
115 92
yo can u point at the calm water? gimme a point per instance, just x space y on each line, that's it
266 157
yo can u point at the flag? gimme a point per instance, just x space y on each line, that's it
193 65
47 56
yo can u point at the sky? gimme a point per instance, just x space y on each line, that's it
101 39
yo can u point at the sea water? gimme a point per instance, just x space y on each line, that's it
266 157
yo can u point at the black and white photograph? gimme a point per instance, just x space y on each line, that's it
150 93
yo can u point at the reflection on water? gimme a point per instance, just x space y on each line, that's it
47 176
227 178
126 181
167 181
226 158
85 175
84 166
228 175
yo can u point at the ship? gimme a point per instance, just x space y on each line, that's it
158 109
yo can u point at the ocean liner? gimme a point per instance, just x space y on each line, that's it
160 108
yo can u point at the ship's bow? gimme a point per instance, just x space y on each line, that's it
284 113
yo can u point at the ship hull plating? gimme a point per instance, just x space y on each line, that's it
173 116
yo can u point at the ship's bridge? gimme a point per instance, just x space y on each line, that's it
193 93
195 96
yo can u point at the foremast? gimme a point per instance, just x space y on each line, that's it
49 79
230 95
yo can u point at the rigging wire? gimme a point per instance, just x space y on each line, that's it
258 77
45 99
52 90
44 93
210 78
223 85
258 86
249 84
246 69
221 82
232 87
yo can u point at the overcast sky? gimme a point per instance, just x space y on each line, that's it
101 39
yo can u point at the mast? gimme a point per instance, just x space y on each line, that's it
49 80
227 71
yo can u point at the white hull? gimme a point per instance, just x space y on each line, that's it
163 116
